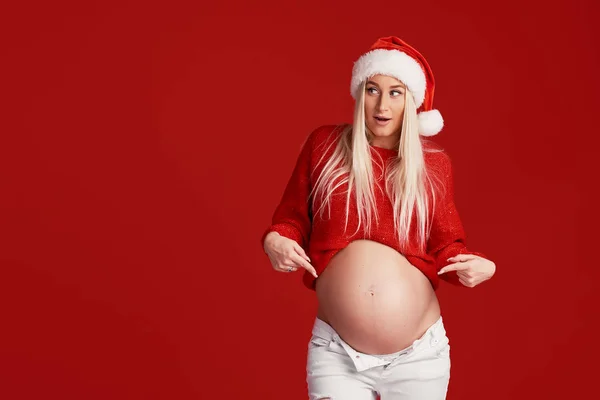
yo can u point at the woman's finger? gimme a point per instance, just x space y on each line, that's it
465 282
301 262
286 267
301 251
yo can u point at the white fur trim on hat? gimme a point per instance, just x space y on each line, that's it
430 122
392 63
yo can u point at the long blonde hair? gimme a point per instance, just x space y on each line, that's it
406 182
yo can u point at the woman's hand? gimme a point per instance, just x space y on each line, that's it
286 255
471 269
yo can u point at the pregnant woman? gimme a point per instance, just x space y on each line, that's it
369 215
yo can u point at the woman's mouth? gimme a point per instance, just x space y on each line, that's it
382 121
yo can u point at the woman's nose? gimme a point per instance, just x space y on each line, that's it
383 104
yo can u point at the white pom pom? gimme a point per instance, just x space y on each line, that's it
430 122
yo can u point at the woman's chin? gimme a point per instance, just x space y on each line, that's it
381 131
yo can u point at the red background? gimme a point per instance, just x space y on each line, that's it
144 147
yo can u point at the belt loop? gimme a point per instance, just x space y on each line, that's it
336 338
434 340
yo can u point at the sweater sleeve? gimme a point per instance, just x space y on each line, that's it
447 237
293 215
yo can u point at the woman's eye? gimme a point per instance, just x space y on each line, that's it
370 89
397 91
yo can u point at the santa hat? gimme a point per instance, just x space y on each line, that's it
393 57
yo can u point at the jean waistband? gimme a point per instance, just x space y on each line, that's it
323 330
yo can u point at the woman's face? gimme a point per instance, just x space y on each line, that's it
384 109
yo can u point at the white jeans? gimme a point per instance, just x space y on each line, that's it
335 370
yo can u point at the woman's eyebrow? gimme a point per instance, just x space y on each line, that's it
391 87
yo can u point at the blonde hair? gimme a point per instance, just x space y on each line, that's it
406 181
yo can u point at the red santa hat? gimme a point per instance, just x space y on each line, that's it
393 57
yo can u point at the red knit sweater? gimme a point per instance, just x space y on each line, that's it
322 238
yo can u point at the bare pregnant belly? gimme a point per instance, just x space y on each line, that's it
375 299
